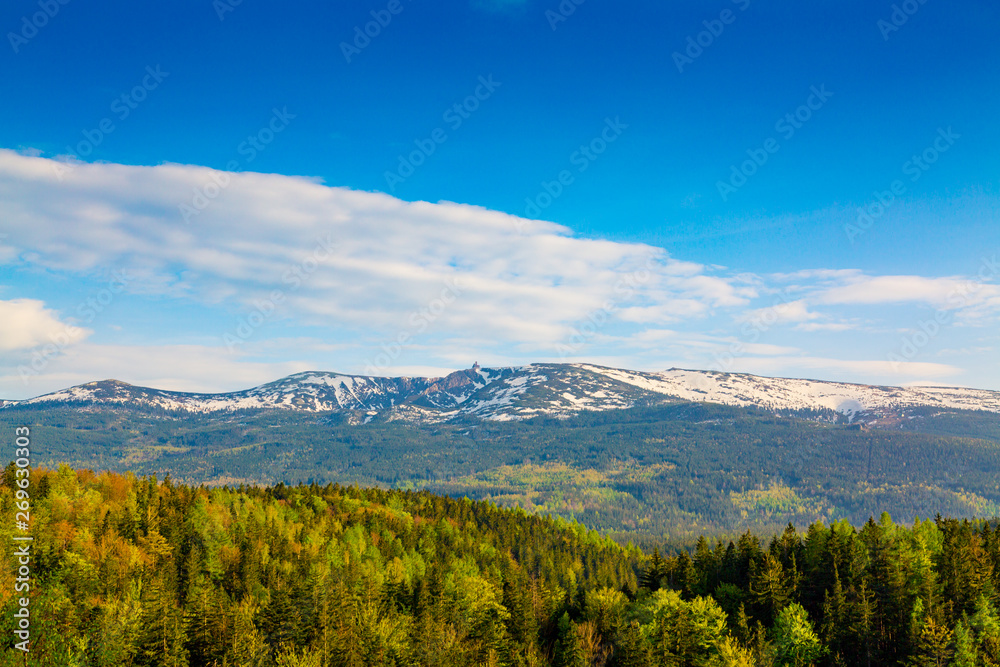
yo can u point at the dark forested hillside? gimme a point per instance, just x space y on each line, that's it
645 474
131 571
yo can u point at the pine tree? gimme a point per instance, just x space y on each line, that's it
248 648
522 627
934 645
732 654
568 652
207 624
863 629
769 586
282 619
985 622
706 567
163 638
834 629
289 656
654 573
664 641
630 649
795 640
965 646
742 631
491 636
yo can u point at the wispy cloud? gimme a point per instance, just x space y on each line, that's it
360 271
786 312
518 280
948 292
851 370
198 368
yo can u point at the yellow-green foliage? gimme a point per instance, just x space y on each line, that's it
776 500
131 571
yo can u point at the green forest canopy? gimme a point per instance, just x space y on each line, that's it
132 571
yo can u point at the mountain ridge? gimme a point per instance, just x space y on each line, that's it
518 392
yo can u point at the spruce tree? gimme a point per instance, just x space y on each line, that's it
568 651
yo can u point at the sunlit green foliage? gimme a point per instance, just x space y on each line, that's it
130 571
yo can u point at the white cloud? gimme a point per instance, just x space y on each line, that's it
943 293
174 367
27 324
825 326
964 351
357 269
781 313
768 350
660 314
816 275
849 370
970 300
343 259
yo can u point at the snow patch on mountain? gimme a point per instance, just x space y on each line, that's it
798 394
524 391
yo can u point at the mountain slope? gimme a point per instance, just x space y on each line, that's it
632 453
796 394
675 469
527 391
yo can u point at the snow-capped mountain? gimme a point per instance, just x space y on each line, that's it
525 391
794 394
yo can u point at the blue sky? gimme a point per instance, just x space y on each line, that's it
114 117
